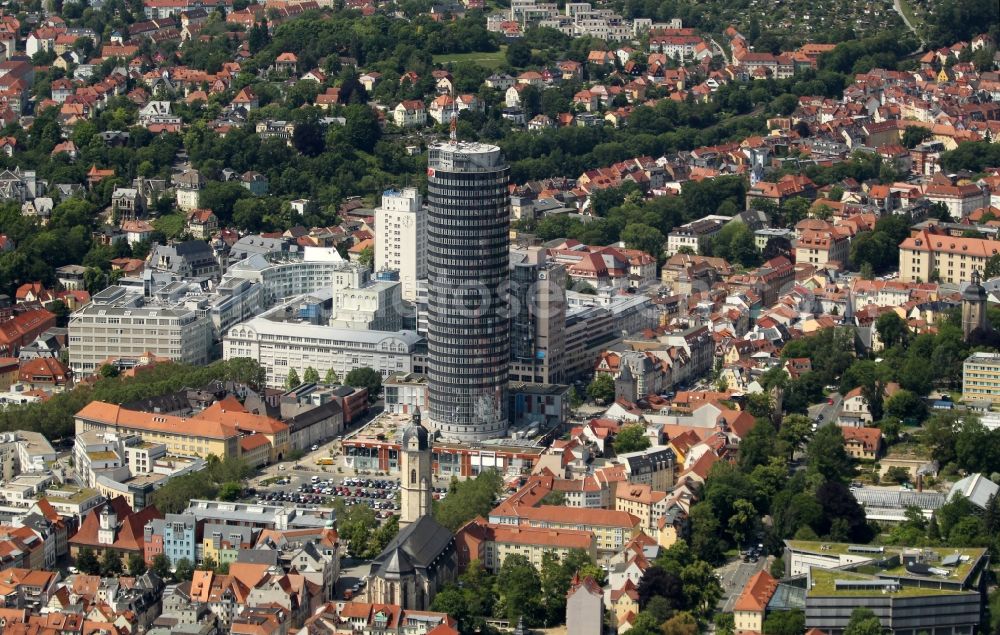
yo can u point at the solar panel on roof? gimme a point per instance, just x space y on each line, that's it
864 549
951 561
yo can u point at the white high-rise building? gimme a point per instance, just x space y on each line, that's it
401 238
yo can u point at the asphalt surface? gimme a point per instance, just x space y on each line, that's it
352 571
734 576
826 412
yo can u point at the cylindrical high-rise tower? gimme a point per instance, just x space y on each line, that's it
468 327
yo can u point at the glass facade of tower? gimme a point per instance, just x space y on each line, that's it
468 326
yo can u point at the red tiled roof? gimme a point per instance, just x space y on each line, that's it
129 535
757 593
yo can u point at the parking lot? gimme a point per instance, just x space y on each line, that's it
380 494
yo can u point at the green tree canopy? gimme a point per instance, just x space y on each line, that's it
863 622
631 438
601 389
468 499
365 378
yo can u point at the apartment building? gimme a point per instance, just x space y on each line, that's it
401 237
122 322
981 377
222 542
951 259
960 200
491 543
691 234
822 248
175 536
611 528
643 502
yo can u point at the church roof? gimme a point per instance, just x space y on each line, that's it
417 546
398 563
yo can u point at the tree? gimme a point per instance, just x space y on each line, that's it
111 564
107 370
468 499
777 569
795 431
742 522
331 378
246 371
905 405
891 329
384 535
184 570
992 267
602 389
518 54
631 438
160 565
553 103
575 400
87 561
555 497
725 623
863 622
365 378
451 600
785 623
898 475
644 238
843 518
230 491
556 575
307 137
659 582
705 533
827 456
520 589
367 257
356 524
914 135
361 127
758 446
136 565
701 587
681 624
311 376
292 379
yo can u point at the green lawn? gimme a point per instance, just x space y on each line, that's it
908 12
172 224
489 60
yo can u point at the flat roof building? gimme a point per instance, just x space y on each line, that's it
120 321
981 376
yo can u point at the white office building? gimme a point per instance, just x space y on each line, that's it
297 335
122 322
285 276
401 238
358 302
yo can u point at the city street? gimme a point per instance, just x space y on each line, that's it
826 412
734 576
